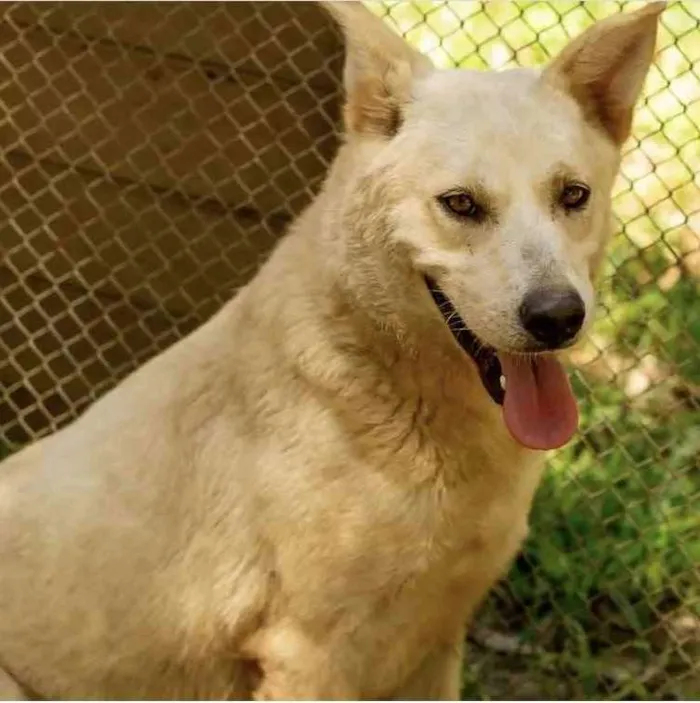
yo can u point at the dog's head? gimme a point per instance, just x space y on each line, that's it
495 189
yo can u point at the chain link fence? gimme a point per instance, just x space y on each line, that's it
153 153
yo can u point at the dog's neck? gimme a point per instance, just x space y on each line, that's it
364 339
351 222
367 302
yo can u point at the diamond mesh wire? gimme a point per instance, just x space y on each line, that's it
153 153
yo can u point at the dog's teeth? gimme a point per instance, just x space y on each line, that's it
502 379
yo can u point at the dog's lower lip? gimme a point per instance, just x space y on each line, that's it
484 356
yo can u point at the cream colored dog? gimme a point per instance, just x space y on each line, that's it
309 496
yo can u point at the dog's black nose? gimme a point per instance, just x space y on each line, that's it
553 316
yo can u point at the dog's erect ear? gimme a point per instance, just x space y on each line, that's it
604 68
379 70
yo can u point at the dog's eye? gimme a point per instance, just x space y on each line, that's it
574 196
462 204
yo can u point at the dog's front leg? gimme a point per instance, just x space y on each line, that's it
292 666
439 678
10 689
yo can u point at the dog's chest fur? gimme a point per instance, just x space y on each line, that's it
407 513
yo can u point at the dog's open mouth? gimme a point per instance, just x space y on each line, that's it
539 408
485 357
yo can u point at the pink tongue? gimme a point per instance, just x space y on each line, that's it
539 408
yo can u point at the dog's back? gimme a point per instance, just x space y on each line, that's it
98 523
